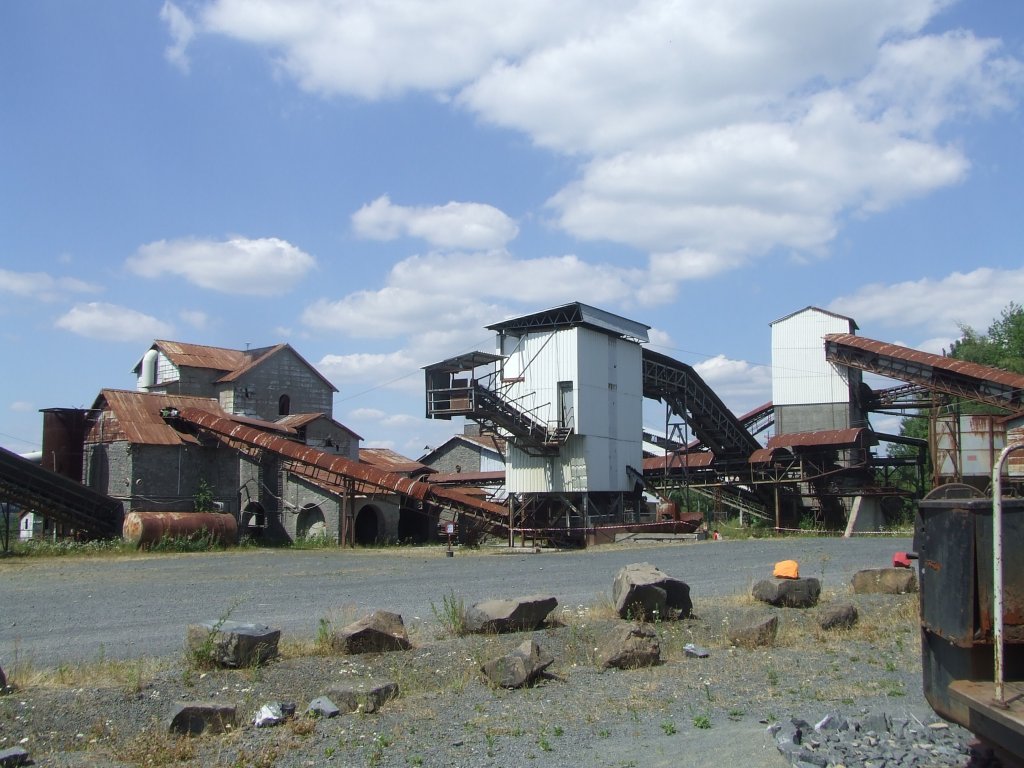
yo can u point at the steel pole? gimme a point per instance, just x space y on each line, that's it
997 567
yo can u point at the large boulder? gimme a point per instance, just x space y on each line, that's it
379 632
231 643
788 593
521 614
519 668
191 718
754 634
628 647
3 681
367 698
886 581
641 591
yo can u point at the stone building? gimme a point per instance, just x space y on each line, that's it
137 452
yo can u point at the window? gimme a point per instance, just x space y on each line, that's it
284 405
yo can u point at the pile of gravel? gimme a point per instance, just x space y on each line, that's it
875 739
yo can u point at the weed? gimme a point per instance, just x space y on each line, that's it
416 760
702 721
543 743
558 730
773 677
669 728
451 615
205 654
736 714
604 733
489 738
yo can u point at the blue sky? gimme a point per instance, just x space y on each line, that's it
374 182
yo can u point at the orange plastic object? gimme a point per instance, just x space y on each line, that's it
787 569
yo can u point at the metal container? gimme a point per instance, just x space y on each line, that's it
63 440
147 528
953 539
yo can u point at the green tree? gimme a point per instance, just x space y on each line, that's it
1002 346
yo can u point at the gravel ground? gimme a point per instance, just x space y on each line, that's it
683 712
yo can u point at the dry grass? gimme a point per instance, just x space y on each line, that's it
131 675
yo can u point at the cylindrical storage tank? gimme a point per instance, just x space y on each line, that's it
143 529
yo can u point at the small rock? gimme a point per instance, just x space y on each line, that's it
629 647
13 757
841 616
362 699
231 643
268 715
755 634
520 614
379 632
695 651
520 668
322 706
196 717
886 581
789 593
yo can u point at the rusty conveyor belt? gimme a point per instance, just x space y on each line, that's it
333 468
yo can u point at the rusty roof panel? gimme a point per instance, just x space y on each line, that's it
679 460
385 458
972 370
199 356
135 417
853 437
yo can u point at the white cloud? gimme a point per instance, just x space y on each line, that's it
22 406
182 30
741 384
255 267
934 306
471 226
109 322
706 134
390 370
42 286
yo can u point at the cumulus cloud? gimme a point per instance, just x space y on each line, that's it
42 286
743 384
471 226
195 318
707 135
110 322
254 267
22 406
936 307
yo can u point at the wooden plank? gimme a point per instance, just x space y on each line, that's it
979 696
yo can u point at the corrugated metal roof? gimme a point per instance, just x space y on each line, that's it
299 420
467 478
826 438
576 313
199 356
135 417
972 370
391 461
679 460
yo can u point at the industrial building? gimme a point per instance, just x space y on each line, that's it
553 447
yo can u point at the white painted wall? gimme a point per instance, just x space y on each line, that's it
800 373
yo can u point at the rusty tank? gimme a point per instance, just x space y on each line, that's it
143 529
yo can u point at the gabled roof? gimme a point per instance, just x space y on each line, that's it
300 420
235 363
392 461
261 356
850 320
137 417
199 356
574 314
476 442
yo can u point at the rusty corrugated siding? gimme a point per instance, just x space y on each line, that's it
199 356
826 438
135 417
392 461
